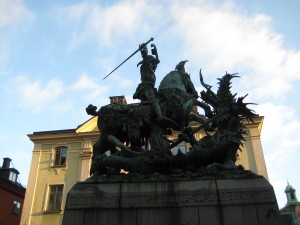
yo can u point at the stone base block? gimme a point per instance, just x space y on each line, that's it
246 201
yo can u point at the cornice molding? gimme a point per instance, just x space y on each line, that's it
48 137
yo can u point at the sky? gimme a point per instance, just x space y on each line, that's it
55 54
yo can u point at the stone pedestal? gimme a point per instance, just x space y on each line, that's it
243 201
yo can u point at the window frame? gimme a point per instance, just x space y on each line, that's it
57 195
58 162
182 146
12 176
16 209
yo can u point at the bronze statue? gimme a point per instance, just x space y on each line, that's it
136 134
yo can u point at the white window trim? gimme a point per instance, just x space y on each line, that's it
68 146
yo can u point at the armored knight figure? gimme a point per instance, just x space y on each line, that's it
146 91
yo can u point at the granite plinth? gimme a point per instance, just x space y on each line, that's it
244 201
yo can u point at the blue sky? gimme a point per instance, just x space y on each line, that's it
54 54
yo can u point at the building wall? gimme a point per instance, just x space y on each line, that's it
297 212
43 173
251 155
293 210
9 194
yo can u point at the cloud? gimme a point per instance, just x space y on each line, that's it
106 24
280 132
279 186
280 141
226 38
219 36
286 121
13 13
130 100
90 89
126 83
13 16
32 96
36 97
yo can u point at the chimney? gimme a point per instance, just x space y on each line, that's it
6 163
118 100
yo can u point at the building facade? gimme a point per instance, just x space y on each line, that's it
62 158
12 195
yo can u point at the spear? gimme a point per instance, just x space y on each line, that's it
151 39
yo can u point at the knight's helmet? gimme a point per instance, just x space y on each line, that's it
143 50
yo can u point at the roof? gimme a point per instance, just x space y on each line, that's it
88 128
10 169
289 188
13 186
55 131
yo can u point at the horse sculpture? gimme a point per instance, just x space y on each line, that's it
133 127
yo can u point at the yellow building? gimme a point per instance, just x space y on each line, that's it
63 157
59 159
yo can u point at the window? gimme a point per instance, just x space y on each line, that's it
12 176
181 146
55 198
60 156
293 196
16 207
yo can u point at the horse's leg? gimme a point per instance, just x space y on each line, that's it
100 147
